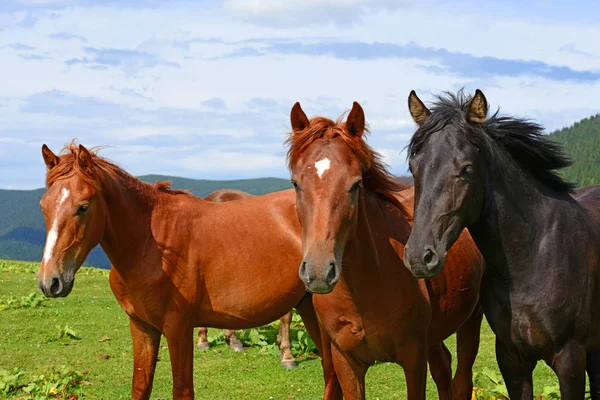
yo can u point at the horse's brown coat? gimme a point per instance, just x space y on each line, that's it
179 261
377 311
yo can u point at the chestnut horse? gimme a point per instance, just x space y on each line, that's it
283 337
178 261
353 232
496 175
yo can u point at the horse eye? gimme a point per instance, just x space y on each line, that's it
466 170
82 209
410 166
295 186
355 187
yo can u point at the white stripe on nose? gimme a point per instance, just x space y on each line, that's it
53 234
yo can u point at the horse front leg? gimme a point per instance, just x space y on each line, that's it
592 365
180 339
322 340
516 372
467 347
413 359
440 366
569 365
351 375
283 340
146 341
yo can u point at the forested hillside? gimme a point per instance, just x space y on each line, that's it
22 232
582 144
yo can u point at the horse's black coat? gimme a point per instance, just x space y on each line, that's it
541 246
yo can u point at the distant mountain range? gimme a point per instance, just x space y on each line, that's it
22 231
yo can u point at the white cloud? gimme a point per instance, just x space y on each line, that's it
261 7
203 119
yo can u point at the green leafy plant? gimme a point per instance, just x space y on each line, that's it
551 392
60 382
9 380
217 340
33 300
63 332
252 337
304 345
484 378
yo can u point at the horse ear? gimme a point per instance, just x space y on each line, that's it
417 109
478 108
355 123
50 158
299 120
85 161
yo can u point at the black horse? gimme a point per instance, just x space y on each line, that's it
540 238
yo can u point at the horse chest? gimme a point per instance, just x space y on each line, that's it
367 345
349 333
524 326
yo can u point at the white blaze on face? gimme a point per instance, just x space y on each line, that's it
53 234
322 166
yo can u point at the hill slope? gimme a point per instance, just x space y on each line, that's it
22 230
582 144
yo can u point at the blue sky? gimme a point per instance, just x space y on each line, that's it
203 89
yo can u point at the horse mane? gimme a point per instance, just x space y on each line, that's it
68 167
522 139
376 177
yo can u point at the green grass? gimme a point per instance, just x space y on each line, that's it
30 340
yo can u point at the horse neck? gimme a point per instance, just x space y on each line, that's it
128 215
360 253
517 210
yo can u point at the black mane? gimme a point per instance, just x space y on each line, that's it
522 139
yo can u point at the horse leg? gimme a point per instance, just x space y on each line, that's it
413 359
593 369
234 342
283 340
322 340
467 346
203 339
181 349
351 376
517 373
440 366
146 340
569 365
333 389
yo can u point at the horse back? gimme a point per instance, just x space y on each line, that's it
223 195
589 199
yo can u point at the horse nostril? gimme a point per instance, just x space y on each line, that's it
428 256
332 274
56 286
303 275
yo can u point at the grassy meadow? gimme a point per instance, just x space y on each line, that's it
79 347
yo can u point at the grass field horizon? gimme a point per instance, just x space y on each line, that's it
87 334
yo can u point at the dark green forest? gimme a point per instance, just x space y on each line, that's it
582 143
22 231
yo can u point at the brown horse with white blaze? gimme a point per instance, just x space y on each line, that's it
354 227
179 261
